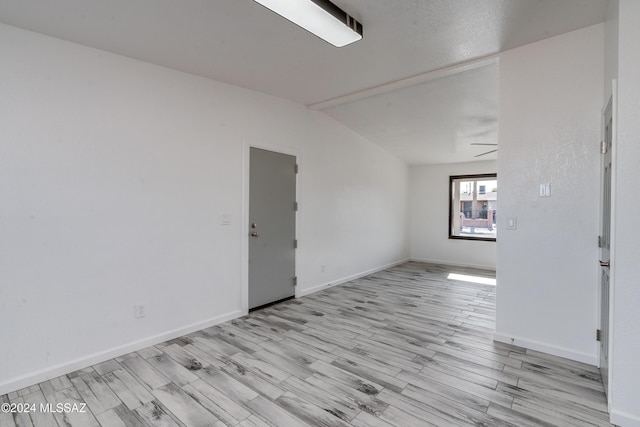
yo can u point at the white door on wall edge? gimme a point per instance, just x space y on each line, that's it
605 246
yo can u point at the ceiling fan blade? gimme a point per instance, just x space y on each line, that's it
488 152
481 143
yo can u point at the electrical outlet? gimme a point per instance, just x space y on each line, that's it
322 268
139 311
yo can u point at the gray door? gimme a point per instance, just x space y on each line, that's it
605 246
272 227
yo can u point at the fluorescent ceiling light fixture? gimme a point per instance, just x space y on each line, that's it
474 279
320 17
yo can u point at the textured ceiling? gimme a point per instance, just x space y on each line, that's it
242 43
462 109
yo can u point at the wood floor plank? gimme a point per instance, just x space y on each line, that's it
290 352
252 379
218 345
234 341
451 363
367 373
148 352
95 392
402 347
83 417
308 412
382 355
286 364
263 330
516 418
245 334
419 387
433 376
218 403
328 402
354 356
468 357
128 417
557 415
205 355
366 402
127 396
264 368
347 378
274 414
552 403
184 407
591 399
110 419
400 418
231 387
40 418
20 417
155 414
149 376
122 378
437 414
253 421
303 348
171 369
364 419
6 420
107 367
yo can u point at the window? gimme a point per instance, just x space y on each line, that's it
473 207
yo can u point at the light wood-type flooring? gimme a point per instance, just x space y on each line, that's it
403 347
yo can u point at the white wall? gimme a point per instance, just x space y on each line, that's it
429 210
114 175
611 47
357 198
625 374
550 116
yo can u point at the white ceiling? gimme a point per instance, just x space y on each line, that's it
431 122
425 119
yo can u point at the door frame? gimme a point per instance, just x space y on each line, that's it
612 250
247 144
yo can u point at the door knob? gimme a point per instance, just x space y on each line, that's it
254 234
604 264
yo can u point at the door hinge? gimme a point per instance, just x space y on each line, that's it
295 244
598 333
603 147
295 280
295 206
296 168
599 241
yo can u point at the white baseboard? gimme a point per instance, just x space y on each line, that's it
27 380
624 419
455 264
333 283
590 359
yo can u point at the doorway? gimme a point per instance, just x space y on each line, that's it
272 227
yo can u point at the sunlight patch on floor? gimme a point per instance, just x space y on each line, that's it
474 279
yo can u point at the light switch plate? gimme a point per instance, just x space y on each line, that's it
545 190
512 223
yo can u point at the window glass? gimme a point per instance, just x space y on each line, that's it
473 207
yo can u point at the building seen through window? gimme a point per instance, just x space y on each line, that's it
473 207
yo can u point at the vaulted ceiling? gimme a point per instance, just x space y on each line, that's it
422 83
